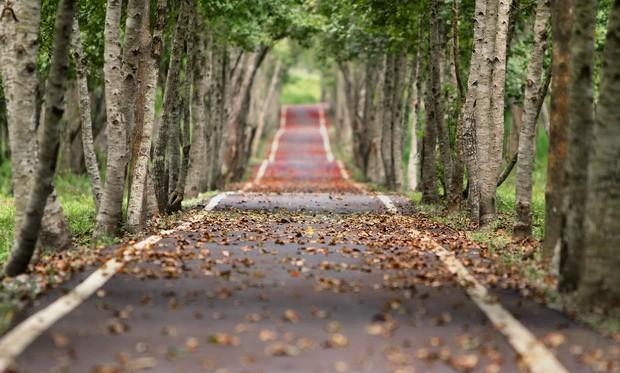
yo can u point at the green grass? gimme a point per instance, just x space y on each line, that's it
74 196
301 86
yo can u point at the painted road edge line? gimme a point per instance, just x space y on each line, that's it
325 135
21 336
276 139
533 352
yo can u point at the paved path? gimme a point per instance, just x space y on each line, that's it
334 280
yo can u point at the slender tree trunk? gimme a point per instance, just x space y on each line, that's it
109 214
197 179
437 96
562 20
413 163
458 168
132 54
90 157
468 127
27 233
218 119
429 146
527 151
580 124
375 170
171 94
598 287
178 190
388 113
145 119
19 39
400 67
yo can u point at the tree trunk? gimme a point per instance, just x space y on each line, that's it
388 113
171 94
400 69
527 148
468 126
27 233
375 170
19 77
109 214
429 145
581 121
178 189
216 141
197 178
562 20
145 119
413 163
132 54
600 277
435 61
458 168
90 157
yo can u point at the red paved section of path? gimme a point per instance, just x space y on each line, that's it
301 162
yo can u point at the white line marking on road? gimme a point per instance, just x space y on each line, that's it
276 138
21 336
345 175
325 135
387 202
533 353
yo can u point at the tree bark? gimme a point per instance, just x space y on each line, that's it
413 163
600 277
19 77
171 94
468 126
197 178
145 120
27 233
458 168
561 13
580 124
375 169
429 145
435 62
386 120
132 54
527 133
90 157
492 124
109 214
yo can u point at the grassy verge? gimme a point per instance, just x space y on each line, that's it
301 86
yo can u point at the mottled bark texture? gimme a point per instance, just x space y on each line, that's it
391 135
491 138
88 143
527 132
145 119
435 88
373 116
581 121
598 286
413 163
458 168
171 96
18 64
429 150
132 54
109 214
197 178
26 234
467 128
561 20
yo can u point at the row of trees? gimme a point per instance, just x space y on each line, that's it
175 94
469 80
